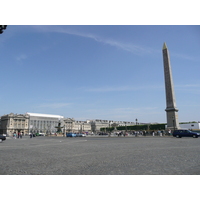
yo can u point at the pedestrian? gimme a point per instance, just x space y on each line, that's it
14 135
21 135
160 133
153 133
18 135
136 133
144 133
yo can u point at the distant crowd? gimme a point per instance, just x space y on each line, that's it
118 133
140 133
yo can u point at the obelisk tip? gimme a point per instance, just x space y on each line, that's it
164 46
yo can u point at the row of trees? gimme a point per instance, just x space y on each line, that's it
136 127
2 28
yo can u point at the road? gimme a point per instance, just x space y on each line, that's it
100 156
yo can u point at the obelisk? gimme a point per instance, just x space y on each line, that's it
171 109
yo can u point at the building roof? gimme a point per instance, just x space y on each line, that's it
44 115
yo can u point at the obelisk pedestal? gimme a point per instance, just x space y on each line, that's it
171 110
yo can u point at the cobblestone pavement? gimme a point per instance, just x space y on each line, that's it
100 156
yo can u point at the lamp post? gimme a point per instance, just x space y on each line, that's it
81 128
148 129
173 122
64 131
136 122
48 129
109 132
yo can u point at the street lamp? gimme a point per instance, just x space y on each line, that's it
136 122
136 127
109 132
64 131
125 126
48 129
173 122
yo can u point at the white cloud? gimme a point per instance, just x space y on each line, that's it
21 57
135 49
122 88
189 105
55 105
128 113
189 86
192 58
134 110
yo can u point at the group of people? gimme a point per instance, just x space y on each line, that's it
162 133
145 133
121 133
17 135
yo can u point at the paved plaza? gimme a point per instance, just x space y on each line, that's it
100 156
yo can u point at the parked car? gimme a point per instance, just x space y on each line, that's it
185 133
80 135
71 135
2 137
40 134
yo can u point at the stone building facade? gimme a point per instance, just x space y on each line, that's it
82 126
97 124
46 124
71 125
14 123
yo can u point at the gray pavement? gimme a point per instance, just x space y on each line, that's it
100 156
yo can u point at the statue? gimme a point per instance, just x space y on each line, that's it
59 128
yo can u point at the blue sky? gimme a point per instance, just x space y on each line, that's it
99 72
